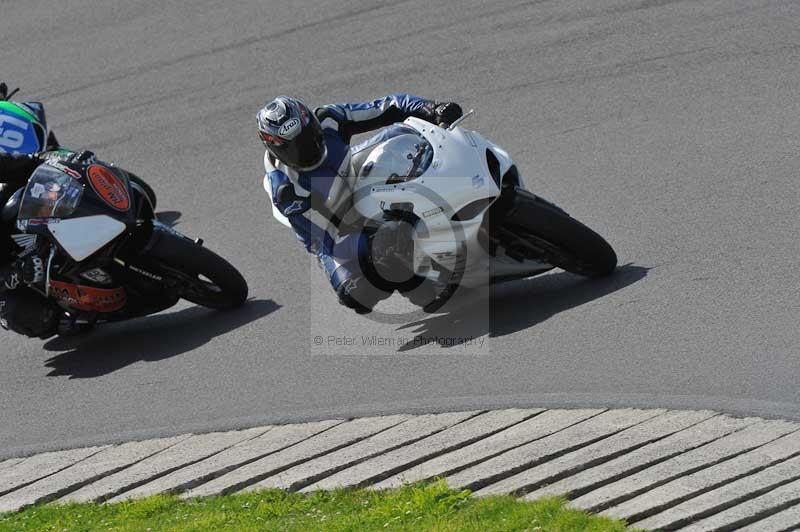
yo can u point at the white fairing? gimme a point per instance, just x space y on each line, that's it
82 237
458 176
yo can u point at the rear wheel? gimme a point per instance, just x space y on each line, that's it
202 276
539 229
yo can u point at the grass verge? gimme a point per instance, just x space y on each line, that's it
422 507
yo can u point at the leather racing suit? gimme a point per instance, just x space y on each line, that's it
346 256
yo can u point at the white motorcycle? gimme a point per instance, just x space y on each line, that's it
474 221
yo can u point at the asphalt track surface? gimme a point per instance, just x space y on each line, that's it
671 127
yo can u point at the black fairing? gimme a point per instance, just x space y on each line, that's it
145 294
92 203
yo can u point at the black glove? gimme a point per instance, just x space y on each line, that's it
32 269
446 113
10 278
83 157
27 271
4 94
25 312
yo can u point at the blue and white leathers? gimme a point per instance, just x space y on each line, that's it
339 257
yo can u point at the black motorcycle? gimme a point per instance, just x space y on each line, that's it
90 240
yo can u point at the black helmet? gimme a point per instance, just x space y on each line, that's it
292 133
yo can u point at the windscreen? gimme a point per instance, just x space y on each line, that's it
50 194
403 157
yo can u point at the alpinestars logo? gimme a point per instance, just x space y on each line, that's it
352 285
12 283
296 206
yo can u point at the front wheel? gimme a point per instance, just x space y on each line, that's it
202 276
542 230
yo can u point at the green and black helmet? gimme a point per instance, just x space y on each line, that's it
23 126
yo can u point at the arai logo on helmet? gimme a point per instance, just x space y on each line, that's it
290 128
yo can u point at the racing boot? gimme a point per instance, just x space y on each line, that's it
69 325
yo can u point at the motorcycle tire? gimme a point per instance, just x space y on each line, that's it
204 278
564 241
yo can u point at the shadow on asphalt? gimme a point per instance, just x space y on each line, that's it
111 347
519 305
169 218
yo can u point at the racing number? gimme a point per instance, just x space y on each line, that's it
11 139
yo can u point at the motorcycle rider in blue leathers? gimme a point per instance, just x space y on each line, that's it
307 156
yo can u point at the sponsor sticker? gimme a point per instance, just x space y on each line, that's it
145 273
88 298
43 221
384 188
433 212
54 161
290 128
109 187
38 190
23 225
97 275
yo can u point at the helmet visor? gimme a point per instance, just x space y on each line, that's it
303 152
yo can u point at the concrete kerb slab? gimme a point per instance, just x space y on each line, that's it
594 454
549 447
640 459
95 467
243 453
540 426
329 441
615 494
451 439
187 452
693 485
40 466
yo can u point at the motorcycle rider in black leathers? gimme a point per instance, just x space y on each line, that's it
307 156
22 310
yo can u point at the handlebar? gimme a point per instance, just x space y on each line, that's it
4 94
